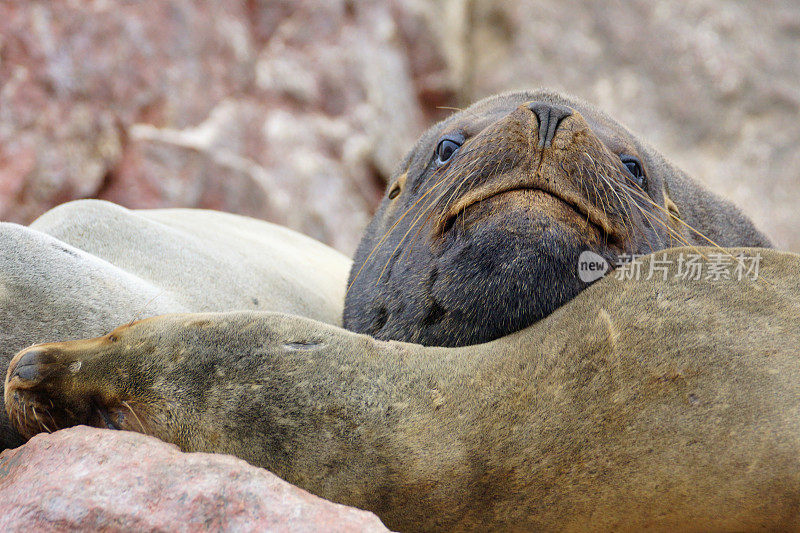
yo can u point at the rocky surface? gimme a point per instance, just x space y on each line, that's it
295 111
278 110
86 479
713 85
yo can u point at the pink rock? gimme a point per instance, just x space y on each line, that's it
99 480
276 110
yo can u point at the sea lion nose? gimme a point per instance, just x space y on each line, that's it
549 116
32 364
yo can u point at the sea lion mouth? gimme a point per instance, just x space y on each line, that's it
33 411
102 412
603 227
29 414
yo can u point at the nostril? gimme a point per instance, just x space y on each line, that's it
549 117
30 364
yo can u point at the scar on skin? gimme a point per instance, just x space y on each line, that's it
613 334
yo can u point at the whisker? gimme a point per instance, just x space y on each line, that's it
388 232
55 424
634 191
627 219
629 216
671 231
125 403
426 209
727 252
138 313
447 204
41 423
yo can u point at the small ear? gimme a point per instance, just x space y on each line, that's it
675 222
397 186
671 206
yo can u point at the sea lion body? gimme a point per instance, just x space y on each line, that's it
487 242
650 402
88 266
641 404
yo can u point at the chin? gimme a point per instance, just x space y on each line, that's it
501 276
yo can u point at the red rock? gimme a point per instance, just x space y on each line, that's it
88 479
295 112
276 110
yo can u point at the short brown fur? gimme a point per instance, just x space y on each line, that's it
666 405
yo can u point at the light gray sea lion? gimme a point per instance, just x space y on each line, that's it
86 267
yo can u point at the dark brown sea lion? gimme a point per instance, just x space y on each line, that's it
482 226
640 405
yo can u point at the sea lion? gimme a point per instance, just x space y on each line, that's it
658 404
86 267
484 221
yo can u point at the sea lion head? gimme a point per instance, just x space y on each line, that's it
91 382
131 379
205 382
484 221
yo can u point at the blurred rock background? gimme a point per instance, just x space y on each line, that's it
295 111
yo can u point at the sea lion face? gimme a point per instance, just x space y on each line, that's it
483 224
100 382
204 382
56 385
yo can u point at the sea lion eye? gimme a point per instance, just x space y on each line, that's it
446 148
634 168
394 192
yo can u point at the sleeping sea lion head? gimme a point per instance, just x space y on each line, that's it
93 382
484 221
149 376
